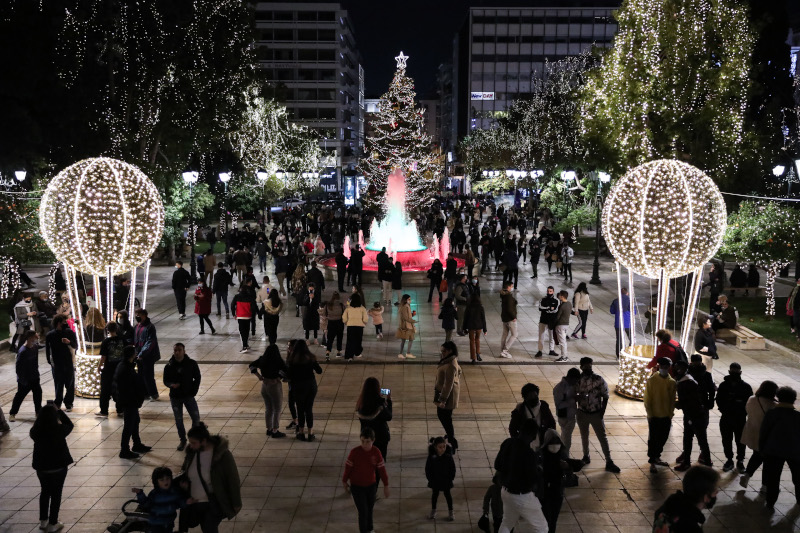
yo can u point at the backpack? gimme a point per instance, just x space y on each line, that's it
680 353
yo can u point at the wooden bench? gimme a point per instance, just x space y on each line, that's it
755 291
743 338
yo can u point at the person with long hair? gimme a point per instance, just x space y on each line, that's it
299 286
406 330
474 323
94 327
757 407
355 317
375 411
447 388
302 366
397 280
272 371
333 311
126 329
51 458
582 306
28 379
273 306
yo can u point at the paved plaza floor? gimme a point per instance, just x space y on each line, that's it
288 485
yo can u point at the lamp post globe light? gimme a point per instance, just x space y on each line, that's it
190 177
602 178
262 176
224 177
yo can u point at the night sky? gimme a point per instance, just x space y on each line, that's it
424 30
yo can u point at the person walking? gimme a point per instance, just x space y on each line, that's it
222 280
461 293
310 304
548 306
27 368
209 261
567 255
202 307
448 315
440 471
111 351
511 262
299 288
561 324
397 281
129 394
213 481
435 274
683 511
446 389
517 465
659 403
451 274
757 407
695 417
182 377
359 470
469 261
59 346
302 366
564 397
271 369
536 252
376 313
623 308
779 442
592 396
406 330
145 340
386 272
333 311
181 281
582 306
508 315
374 411
272 308
474 323
51 458
732 397
355 318
341 268
243 309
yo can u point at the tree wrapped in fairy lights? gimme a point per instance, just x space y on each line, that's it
399 141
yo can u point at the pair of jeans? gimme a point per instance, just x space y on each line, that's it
130 428
52 484
244 331
618 337
434 287
177 410
584 316
509 335
335 332
544 330
657 436
341 274
106 384
561 335
730 427
568 271
595 420
147 373
403 345
262 263
567 425
474 343
222 298
64 378
204 514
447 497
696 426
22 390
180 299
304 394
364 498
445 417
272 393
205 320
271 327
756 459
511 274
353 346
773 468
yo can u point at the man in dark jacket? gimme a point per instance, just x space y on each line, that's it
531 407
356 265
129 394
708 391
341 268
59 356
726 318
518 467
27 367
535 252
682 511
695 417
732 397
548 307
147 352
181 280
451 274
508 315
779 443
315 276
511 262
222 280
182 376
461 294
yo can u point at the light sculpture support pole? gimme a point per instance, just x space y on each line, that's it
693 295
132 298
663 302
110 295
596 265
620 310
632 307
146 280
192 234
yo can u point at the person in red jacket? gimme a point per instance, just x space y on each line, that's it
359 470
667 347
202 307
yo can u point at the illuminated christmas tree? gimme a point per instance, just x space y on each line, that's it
399 141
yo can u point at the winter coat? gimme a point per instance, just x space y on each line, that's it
405 326
202 301
311 314
708 389
181 279
626 311
689 397
186 374
334 311
548 307
162 505
582 302
447 381
440 470
242 307
146 341
756 408
435 274
780 433
508 306
222 280
732 397
448 316
224 476
50 451
314 275
678 515
355 316
704 338
127 389
59 354
562 314
475 317
378 421
397 278
541 413
210 262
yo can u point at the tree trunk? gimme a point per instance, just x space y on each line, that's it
772 271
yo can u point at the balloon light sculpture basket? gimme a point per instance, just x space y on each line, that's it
633 371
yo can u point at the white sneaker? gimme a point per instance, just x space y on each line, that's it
505 354
55 527
359 356
562 359
401 356
43 525
380 335
243 350
182 317
409 356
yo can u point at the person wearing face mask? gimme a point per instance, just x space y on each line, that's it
659 402
779 442
531 407
24 319
182 377
695 416
566 405
181 280
553 455
202 306
548 307
732 399
59 345
592 395
126 329
682 512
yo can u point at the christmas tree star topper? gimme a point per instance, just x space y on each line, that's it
401 60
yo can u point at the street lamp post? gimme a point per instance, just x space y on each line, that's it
224 177
602 177
190 177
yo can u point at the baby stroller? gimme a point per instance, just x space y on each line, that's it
135 519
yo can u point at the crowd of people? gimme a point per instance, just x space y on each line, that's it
533 466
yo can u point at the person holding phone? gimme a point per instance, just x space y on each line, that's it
374 410
406 330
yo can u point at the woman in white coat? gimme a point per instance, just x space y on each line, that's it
757 406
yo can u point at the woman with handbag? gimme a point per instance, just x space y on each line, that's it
435 274
446 389
273 371
406 330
